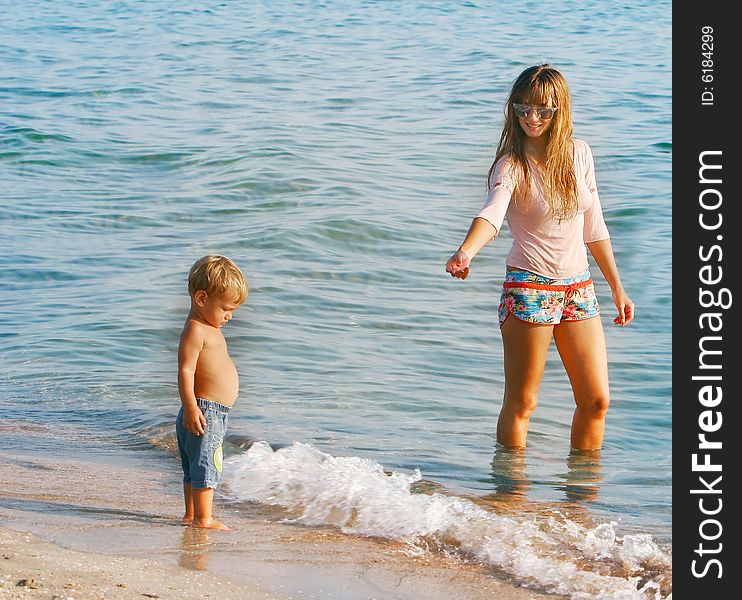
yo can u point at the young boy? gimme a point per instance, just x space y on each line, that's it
207 381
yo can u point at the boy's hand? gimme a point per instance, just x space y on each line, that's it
194 420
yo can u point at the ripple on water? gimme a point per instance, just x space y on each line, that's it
133 140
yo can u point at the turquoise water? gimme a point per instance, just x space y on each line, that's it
337 151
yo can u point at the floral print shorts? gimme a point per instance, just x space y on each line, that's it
546 301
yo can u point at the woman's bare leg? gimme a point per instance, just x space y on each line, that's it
581 345
525 347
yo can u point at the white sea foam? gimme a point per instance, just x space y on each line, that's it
356 495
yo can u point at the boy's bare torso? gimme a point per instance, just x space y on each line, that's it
216 376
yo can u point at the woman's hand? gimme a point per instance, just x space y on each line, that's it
625 307
458 265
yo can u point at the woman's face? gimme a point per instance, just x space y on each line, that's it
534 119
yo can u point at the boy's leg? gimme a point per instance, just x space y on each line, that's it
203 499
188 498
204 464
183 437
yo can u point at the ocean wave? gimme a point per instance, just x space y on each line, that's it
358 496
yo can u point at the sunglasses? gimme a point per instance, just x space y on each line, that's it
523 111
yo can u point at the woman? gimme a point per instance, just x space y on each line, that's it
544 181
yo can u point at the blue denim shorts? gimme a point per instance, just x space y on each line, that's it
201 455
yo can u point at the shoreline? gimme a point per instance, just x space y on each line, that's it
33 567
83 521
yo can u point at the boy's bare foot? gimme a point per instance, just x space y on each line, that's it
209 524
187 520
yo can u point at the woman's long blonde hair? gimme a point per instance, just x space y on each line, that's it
543 85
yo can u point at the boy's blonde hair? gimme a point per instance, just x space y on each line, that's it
218 276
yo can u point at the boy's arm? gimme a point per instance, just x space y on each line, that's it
191 344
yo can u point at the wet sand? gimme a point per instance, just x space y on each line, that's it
86 526
34 568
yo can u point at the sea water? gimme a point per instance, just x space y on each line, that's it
338 151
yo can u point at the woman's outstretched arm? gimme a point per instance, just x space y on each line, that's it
480 232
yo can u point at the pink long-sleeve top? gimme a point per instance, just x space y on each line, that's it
543 243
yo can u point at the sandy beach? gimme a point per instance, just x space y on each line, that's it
34 568
84 524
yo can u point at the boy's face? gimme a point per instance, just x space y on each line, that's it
215 310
